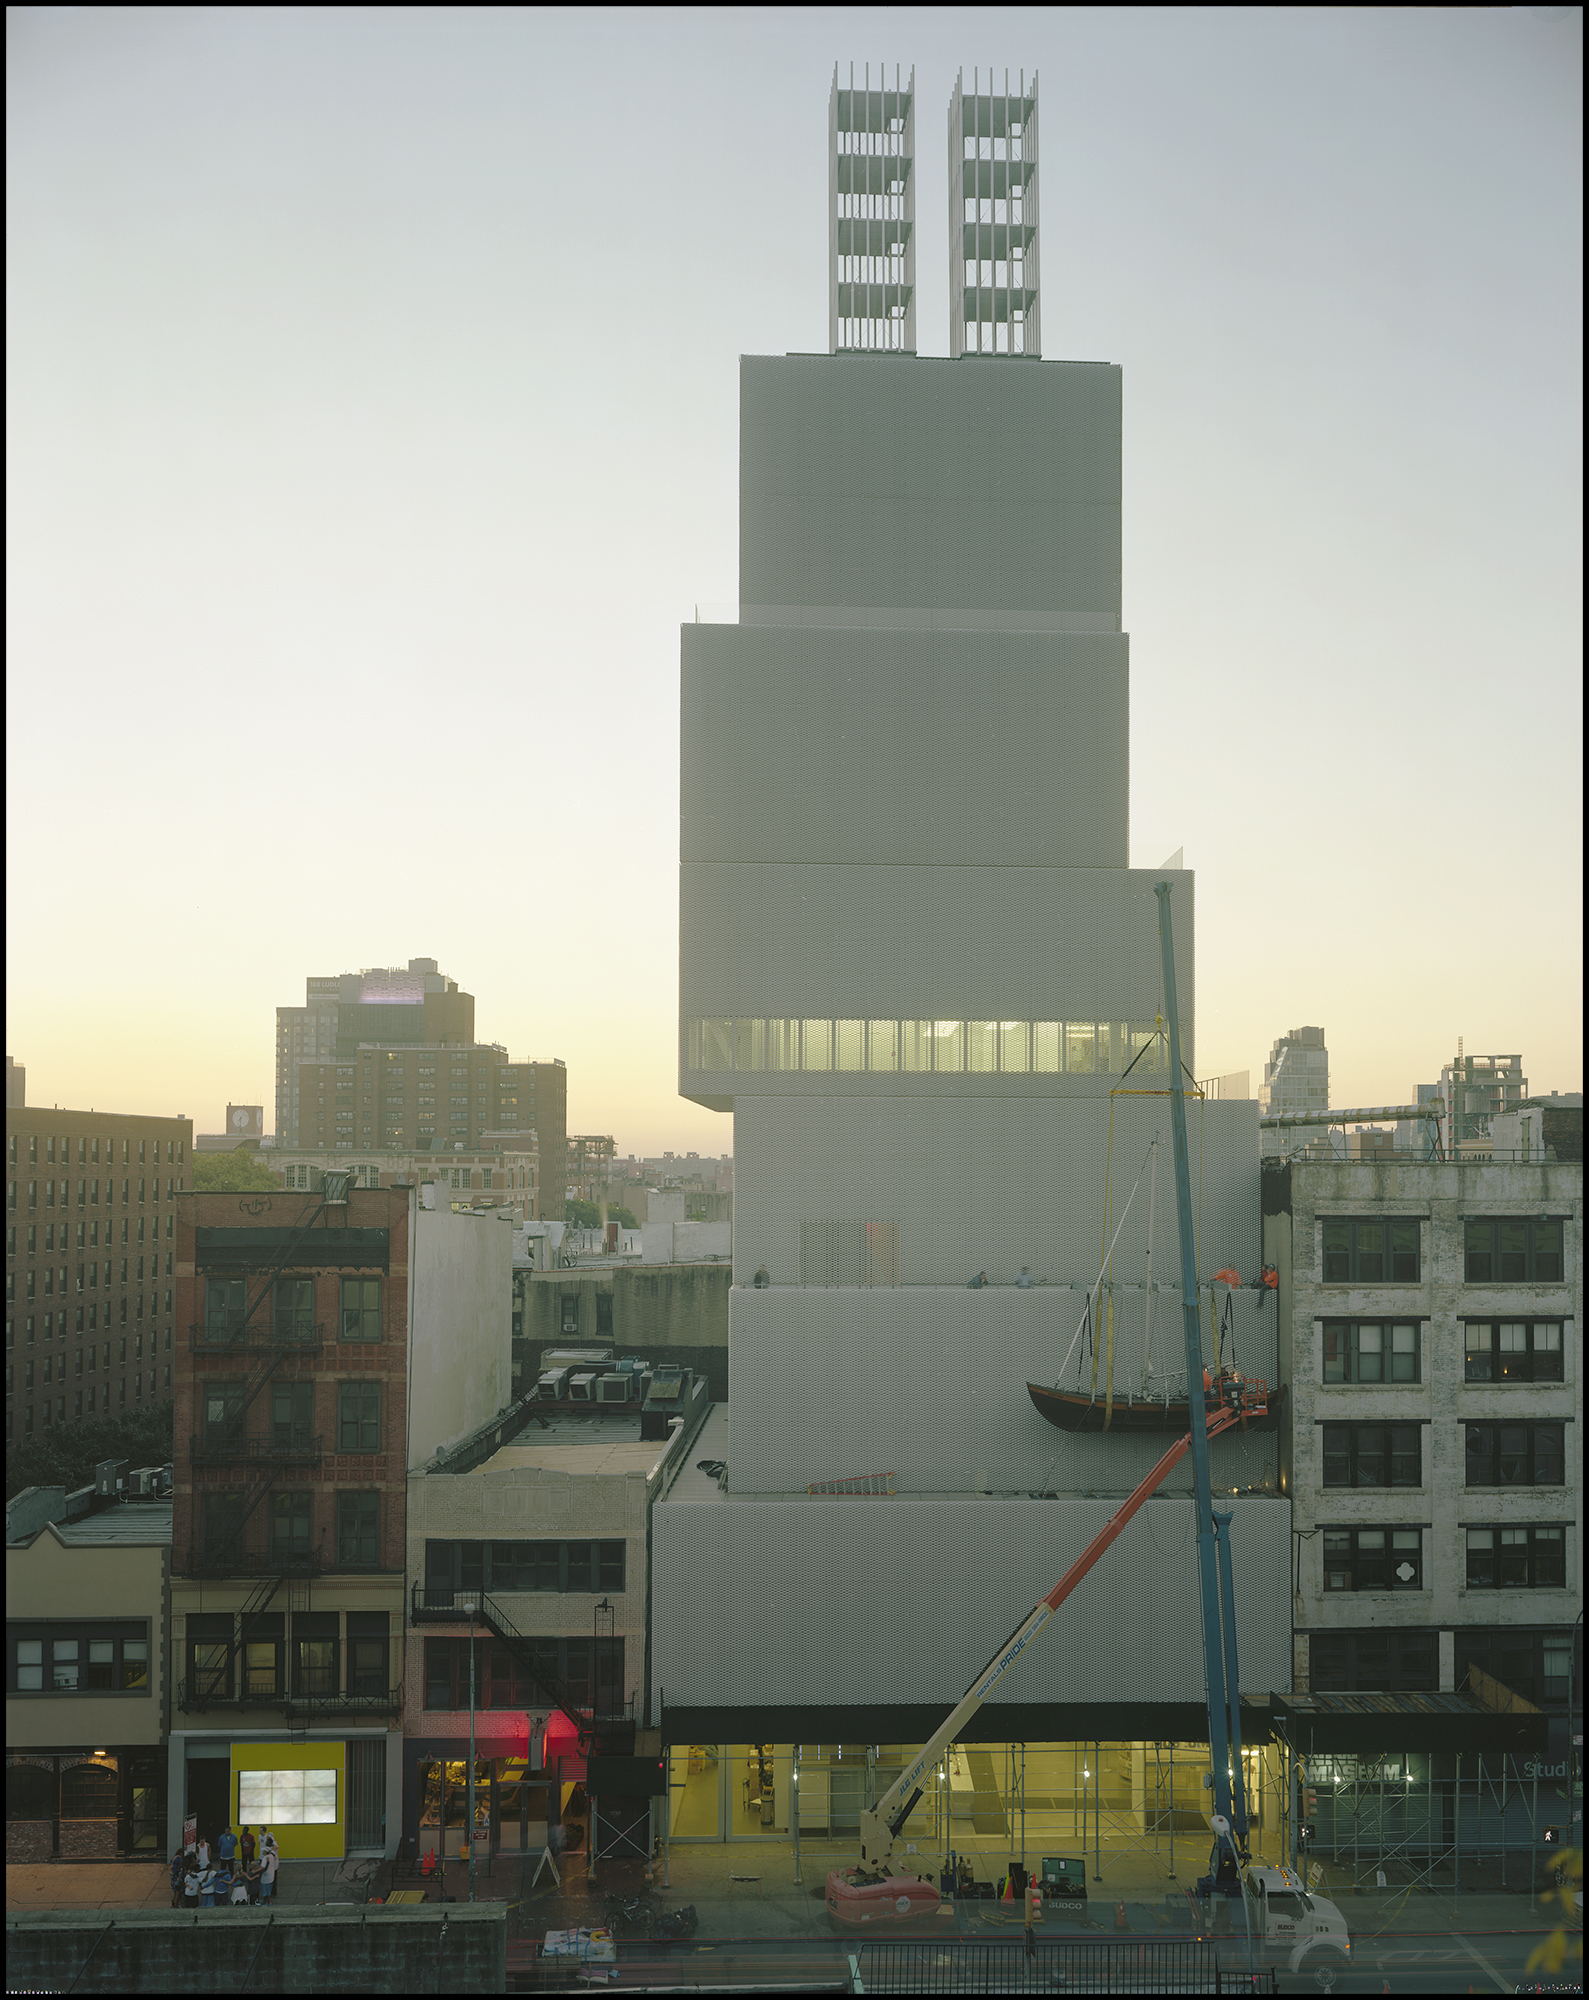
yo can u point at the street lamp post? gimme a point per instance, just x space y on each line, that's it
595 1709
471 1607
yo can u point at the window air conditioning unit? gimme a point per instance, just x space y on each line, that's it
553 1385
613 1388
582 1387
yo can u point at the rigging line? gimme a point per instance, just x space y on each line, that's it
1094 1290
1108 1170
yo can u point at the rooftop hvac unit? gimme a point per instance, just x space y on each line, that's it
665 1399
613 1388
582 1387
553 1385
144 1484
577 1357
110 1476
629 1365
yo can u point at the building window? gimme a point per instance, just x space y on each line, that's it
225 1302
358 1416
291 1415
361 1309
1513 1249
1373 1559
368 1645
570 1312
262 1650
1516 1454
210 1654
451 1567
223 1520
289 1524
314 1654
1513 1350
93 1658
223 1412
1517 1558
523 1675
1372 1455
293 1309
1371 1252
357 1522
1370 1351
1369 1662
1534 1664
604 1315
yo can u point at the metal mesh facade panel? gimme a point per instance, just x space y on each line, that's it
932 1384
817 1600
988 1183
975 748
866 480
1071 944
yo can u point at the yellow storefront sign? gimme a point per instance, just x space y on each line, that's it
298 1790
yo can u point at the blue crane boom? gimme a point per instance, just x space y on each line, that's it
1213 1547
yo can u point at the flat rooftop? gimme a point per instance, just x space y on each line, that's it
694 1487
132 1525
589 1445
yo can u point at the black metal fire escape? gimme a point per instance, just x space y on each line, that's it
274 1344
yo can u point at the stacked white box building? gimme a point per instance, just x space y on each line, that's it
914 966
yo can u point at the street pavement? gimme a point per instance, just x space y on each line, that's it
758 1928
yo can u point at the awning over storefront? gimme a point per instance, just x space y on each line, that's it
1378 1722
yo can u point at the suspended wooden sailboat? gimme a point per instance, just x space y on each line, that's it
1258 1406
1225 1387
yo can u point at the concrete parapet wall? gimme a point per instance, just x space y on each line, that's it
368 1950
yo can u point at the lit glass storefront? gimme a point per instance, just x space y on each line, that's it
998 1798
513 1805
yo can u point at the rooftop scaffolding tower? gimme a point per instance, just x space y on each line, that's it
872 214
993 273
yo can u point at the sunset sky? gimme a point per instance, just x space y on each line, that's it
372 427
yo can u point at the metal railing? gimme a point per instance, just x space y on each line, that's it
197 1694
203 1339
967 1965
226 1560
253 1451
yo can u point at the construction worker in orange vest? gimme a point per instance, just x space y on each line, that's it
1034 1913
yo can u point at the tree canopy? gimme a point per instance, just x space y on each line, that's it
590 1215
232 1173
66 1456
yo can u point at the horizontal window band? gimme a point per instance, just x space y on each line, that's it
810 1045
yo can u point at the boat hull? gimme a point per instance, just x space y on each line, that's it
1068 1412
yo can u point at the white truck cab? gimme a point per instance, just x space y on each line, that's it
1303 1930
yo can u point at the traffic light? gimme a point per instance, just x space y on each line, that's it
1310 1801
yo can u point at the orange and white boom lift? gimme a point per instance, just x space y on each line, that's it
871 1892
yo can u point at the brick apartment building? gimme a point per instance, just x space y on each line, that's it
288 1527
437 1097
91 1200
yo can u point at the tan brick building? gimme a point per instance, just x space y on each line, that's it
91 1200
429 1096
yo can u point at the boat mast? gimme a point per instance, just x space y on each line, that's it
1147 1321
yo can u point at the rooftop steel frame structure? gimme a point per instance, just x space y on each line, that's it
993 266
872 213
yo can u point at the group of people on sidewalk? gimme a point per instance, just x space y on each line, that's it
241 1871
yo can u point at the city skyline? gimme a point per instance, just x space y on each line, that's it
301 453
